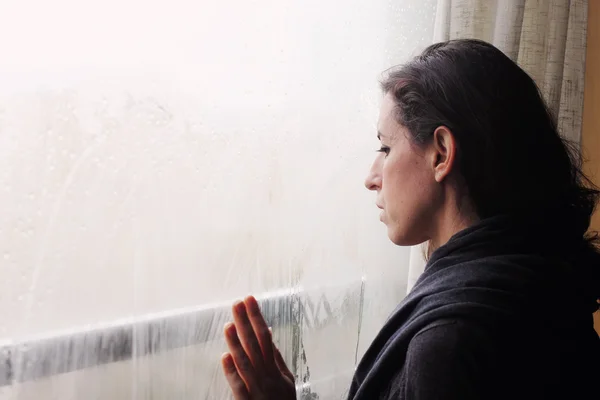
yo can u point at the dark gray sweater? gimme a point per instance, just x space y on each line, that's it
503 311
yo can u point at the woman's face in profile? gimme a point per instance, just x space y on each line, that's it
407 192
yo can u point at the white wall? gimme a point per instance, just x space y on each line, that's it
156 155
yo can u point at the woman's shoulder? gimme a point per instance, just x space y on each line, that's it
448 358
476 361
450 336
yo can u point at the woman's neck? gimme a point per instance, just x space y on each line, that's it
450 221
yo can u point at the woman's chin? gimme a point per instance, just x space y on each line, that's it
401 239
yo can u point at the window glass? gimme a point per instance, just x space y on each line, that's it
160 159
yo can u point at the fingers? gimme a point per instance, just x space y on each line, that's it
247 336
281 364
241 360
261 329
238 387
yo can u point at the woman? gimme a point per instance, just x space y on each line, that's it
472 163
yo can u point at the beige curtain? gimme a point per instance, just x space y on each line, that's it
546 37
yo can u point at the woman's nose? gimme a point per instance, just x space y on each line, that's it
373 180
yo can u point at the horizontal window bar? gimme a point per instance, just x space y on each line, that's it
56 353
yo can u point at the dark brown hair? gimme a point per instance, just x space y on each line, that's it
509 151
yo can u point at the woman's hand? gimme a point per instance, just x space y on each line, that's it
254 367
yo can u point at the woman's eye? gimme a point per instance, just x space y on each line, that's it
384 149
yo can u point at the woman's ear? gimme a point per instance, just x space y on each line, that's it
443 153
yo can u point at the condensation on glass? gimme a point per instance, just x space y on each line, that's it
159 160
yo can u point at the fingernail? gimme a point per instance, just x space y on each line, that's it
252 304
227 360
229 327
239 306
